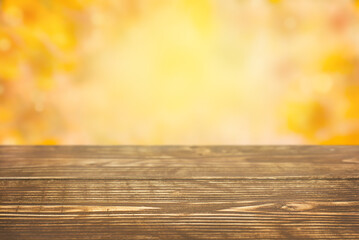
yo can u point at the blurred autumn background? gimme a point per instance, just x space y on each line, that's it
179 72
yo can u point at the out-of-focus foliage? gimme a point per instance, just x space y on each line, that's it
38 46
179 72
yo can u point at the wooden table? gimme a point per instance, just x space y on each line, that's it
186 192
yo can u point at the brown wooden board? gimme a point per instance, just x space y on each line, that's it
179 192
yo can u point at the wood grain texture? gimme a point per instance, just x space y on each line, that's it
184 192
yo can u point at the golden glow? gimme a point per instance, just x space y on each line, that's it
179 72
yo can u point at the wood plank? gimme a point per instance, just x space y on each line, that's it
179 209
230 162
170 152
185 192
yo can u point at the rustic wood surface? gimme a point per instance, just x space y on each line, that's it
184 192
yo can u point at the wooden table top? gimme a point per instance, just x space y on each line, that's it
179 192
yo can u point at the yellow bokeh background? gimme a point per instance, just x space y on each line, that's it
179 72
